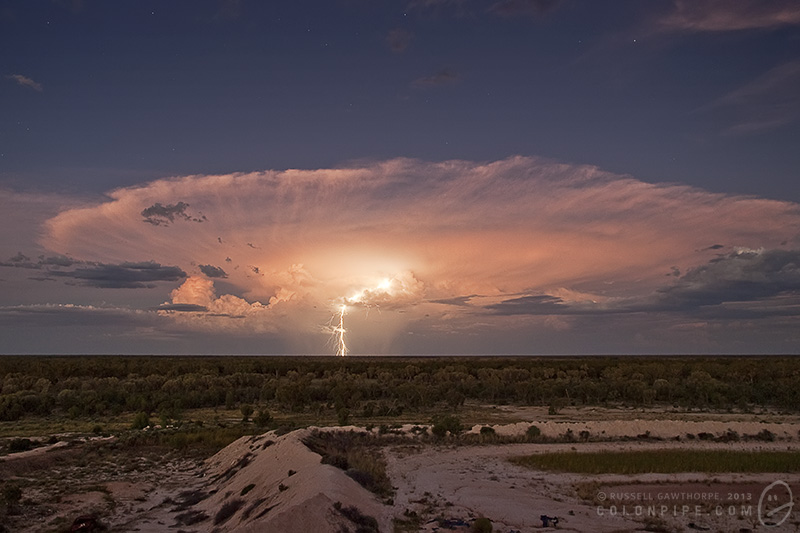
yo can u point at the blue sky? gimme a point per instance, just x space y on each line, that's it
681 118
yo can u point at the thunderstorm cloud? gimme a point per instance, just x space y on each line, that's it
441 250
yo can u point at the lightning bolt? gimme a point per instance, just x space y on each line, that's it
362 298
338 331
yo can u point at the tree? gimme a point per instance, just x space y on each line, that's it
262 418
246 410
447 423
141 420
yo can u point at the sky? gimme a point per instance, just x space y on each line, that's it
436 176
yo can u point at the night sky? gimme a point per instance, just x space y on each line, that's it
463 176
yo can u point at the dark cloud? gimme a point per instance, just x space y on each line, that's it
741 276
742 284
460 301
540 304
72 315
510 8
58 260
163 215
398 39
183 308
443 77
23 261
213 271
20 261
128 275
123 276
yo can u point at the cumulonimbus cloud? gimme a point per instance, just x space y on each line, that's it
451 237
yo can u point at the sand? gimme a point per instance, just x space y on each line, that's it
274 482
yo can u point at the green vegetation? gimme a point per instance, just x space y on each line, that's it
482 525
358 454
188 396
363 523
446 424
663 461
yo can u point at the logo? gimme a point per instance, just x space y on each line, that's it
775 504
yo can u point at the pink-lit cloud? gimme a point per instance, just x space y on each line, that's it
723 15
440 245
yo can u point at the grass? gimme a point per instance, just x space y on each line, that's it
663 462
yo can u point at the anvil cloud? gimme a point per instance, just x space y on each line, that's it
428 254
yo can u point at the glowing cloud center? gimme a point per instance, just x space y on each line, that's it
387 290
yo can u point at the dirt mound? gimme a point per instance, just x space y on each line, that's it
269 483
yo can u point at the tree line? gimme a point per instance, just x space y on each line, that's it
385 386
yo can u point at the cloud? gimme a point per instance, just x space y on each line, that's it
412 238
718 289
723 15
445 76
123 276
163 215
183 308
770 101
402 290
127 275
741 276
23 261
398 39
212 271
60 315
196 306
25 81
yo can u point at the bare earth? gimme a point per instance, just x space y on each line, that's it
275 483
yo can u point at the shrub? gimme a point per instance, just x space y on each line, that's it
246 411
446 424
766 435
11 494
533 433
356 454
482 525
343 416
364 523
19 445
140 421
247 489
262 418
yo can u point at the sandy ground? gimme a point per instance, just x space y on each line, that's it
467 482
275 483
